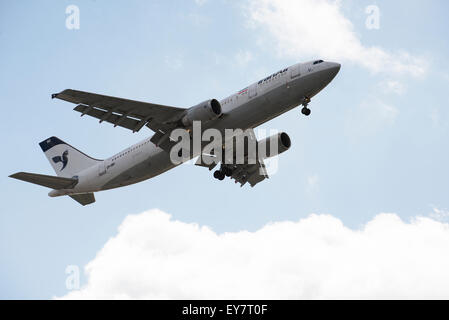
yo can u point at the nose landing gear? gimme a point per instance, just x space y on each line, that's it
306 111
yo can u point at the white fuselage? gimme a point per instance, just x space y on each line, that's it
249 108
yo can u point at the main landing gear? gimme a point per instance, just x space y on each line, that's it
222 173
306 111
218 174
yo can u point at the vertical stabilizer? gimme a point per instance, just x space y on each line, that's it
66 160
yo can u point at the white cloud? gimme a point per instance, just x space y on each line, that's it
318 28
440 214
153 256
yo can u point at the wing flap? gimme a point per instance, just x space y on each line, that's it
251 173
107 116
126 113
257 175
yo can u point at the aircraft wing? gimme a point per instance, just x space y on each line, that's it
241 173
129 114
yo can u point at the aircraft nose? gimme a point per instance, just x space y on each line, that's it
333 68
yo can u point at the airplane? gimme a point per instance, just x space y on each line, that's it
79 175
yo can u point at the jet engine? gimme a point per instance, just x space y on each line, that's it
283 144
204 111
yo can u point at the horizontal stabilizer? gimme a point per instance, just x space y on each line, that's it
46 181
84 198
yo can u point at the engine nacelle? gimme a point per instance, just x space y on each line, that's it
204 111
283 144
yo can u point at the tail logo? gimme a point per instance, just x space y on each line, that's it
64 159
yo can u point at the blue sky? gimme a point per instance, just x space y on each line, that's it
376 140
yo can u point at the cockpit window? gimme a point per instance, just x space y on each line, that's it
318 61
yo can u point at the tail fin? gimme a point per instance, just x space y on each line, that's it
66 160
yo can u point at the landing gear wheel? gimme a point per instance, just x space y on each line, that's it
219 175
305 111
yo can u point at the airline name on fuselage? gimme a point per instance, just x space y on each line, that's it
272 76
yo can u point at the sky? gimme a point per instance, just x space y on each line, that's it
364 186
